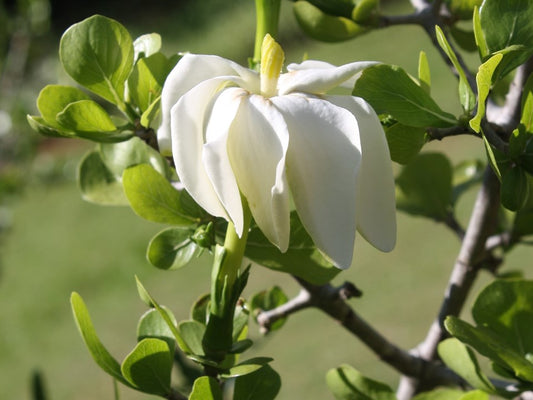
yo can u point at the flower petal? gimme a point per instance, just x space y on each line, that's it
187 126
318 77
322 163
190 71
215 156
376 205
257 148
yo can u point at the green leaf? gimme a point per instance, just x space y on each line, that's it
88 120
424 75
346 383
527 105
321 26
39 125
152 325
514 190
150 118
440 394
263 384
206 388
390 90
424 186
405 142
466 95
167 317
97 183
98 54
148 366
484 79
99 353
465 39
507 27
462 9
192 333
479 35
154 198
463 361
172 248
506 307
199 309
247 367
147 78
146 45
119 156
488 343
475 395
301 258
268 300
55 98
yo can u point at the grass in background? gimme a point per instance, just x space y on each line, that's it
61 244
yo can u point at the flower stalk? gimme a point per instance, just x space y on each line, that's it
267 20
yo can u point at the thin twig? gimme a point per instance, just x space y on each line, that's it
441 133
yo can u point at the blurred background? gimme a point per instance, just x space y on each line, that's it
53 243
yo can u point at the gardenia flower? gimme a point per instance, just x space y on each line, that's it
268 136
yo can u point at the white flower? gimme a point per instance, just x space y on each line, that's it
265 136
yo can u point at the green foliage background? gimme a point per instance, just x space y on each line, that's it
61 244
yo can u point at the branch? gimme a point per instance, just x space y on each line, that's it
441 133
332 301
469 261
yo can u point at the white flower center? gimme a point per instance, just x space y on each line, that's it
272 58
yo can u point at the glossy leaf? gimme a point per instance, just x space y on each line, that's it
147 78
55 98
97 183
167 317
405 142
119 156
463 361
153 197
152 325
506 306
172 248
199 309
424 75
514 190
98 54
488 343
99 353
206 388
424 186
484 79
466 95
146 45
301 258
440 394
390 90
148 366
347 383
192 333
247 367
325 27
263 384
507 27
268 300
38 124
